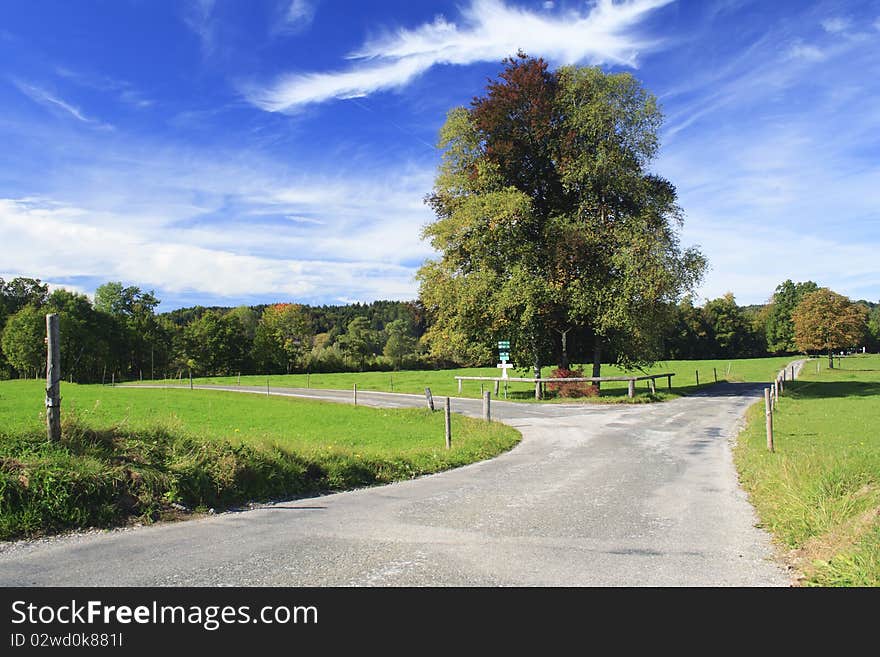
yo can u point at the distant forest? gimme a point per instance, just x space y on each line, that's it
119 335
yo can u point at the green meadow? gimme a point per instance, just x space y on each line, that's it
819 492
145 454
443 383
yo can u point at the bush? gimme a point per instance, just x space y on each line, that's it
571 389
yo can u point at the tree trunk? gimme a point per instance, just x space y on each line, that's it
564 363
597 360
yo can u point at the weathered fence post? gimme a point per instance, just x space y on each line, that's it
459 386
768 414
669 382
537 388
698 376
775 394
53 378
448 423
631 389
430 399
497 383
487 403
653 386
355 390
715 374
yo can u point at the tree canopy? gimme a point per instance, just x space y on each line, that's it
549 220
825 321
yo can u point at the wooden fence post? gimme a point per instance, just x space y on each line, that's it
487 406
698 376
497 383
448 423
653 386
715 374
768 414
459 386
430 399
669 382
631 389
355 391
53 378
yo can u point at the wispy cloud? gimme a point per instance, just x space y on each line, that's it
224 229
48 99
836 24
198 15
295 16
124 91
489 30
807 52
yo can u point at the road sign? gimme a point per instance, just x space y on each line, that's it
504 355
504 344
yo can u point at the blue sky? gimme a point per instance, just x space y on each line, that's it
229 151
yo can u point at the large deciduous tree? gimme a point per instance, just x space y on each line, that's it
779 327
548 219
825 321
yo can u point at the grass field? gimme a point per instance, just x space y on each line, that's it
128 452
443 383
819 493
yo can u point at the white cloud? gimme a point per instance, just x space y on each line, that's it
836 25
807 52
47 99
298 15
198 15
490 30
281 236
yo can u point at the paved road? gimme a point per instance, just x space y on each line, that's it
613 495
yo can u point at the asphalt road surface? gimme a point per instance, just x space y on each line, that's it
610 495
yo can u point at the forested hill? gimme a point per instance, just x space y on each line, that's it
327 318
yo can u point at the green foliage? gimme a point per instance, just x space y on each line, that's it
548 221
779 326
23 338
283 338
215 344
132 453
399 343
825 321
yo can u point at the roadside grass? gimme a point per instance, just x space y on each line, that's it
134 454
443 383
819 493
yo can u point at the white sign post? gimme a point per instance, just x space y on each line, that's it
504 356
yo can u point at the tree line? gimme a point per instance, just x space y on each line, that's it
119 335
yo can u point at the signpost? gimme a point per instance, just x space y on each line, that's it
504 356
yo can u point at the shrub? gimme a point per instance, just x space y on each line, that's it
571 389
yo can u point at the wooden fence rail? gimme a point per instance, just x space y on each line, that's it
540 383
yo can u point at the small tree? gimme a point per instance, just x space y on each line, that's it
400 343
825 321
23 340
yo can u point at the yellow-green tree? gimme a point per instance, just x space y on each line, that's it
825 321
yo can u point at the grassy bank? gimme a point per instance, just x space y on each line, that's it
819 493
145 453
443 383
